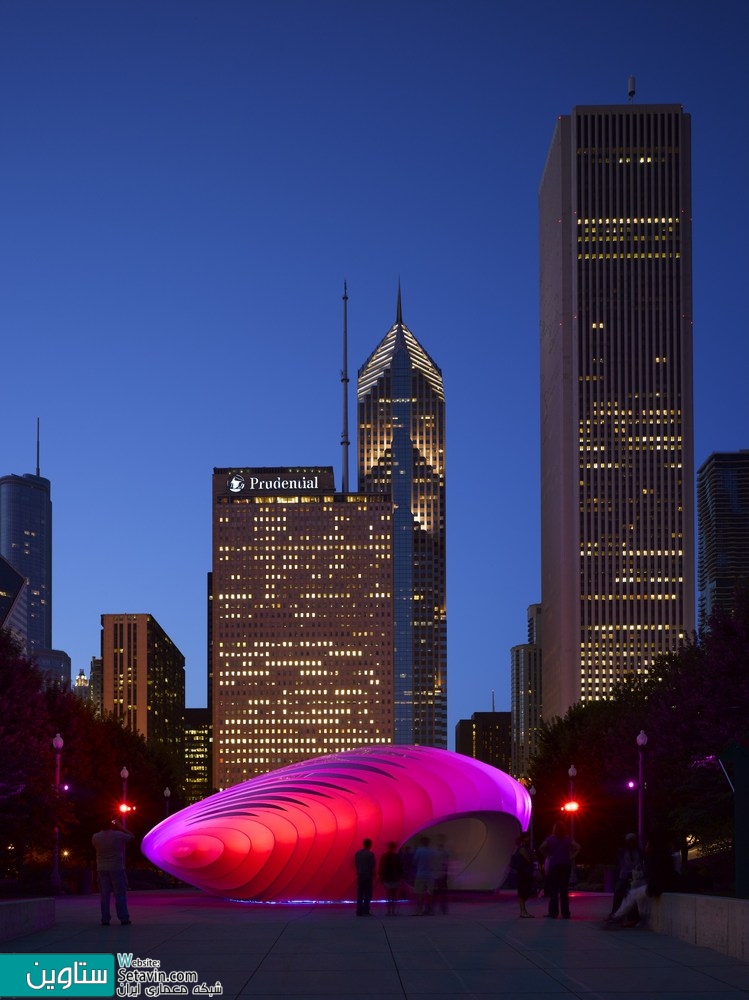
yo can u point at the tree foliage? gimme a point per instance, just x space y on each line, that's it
693 707
95 751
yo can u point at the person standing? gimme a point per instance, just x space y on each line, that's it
560 850
109 844
424 861
524 866
390 873
364 861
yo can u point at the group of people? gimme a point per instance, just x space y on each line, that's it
557 854
640 874
429 871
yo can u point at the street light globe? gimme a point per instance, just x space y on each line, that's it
572 771
58 743
167 792
124 774
642 740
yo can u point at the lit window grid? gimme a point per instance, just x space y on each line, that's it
302 631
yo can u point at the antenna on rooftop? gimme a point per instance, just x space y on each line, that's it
37 446
344 383
631 89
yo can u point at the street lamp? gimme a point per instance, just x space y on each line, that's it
532 793
124 774
571 813
57 744
167 796
642 742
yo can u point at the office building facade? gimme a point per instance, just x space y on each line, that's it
401 454
485 737
617 518
301 620
526 694
26 543
143 680
723 532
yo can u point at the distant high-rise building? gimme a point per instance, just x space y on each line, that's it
401 421
26 543
617 531
301 619
723 531
526 694
81 686
143 680
11 586
197 754
485 737
96 686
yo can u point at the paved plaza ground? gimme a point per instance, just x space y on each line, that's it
480 948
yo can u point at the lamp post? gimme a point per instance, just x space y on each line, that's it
642 742
167 796
124 774
573 774
57 745
532 793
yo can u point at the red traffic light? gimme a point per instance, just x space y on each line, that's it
125 808
571 807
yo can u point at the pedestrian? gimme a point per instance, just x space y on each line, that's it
390 873
424 859
364 861
559 849
630 872
110 843
524 866
441 873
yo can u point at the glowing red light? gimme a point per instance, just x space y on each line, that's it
571 807
125 808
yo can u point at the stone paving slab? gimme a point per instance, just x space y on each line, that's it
479 949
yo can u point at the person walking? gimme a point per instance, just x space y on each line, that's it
390 873
110 843
364 861
560 850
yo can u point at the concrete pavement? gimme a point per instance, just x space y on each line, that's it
479 949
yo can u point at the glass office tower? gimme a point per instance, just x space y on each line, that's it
723 531
26 543
617 475
401 453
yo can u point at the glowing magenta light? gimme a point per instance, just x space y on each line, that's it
292 834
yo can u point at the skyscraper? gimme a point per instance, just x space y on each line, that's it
526 694
302 621
723 531
143 680
617 532
26 543
401 407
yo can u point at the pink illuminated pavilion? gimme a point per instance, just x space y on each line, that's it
291 834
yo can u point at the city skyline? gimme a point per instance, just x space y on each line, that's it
184 190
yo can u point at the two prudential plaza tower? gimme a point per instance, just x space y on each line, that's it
328 610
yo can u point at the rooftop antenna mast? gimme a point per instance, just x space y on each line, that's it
37 446
344 382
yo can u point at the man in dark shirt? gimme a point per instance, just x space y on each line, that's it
364 860
109 844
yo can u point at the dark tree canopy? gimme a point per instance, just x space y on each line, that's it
694 708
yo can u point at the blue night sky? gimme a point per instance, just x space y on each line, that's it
184 187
